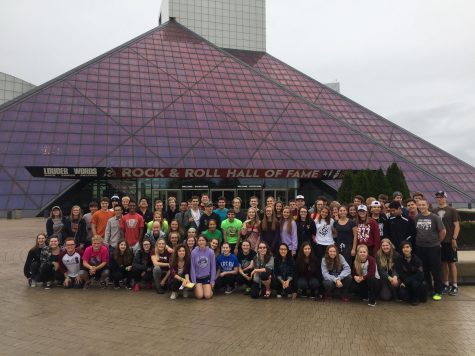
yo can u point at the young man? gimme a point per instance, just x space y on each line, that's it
208 215
293 209
95 261
144 210
358 200
132 226
70 264
88 218
238 213
125 204
100 218
231 229
397 196
411 206
383 199
158 206
155 234
430 233
300 201
180 215
171 209
115 200
113 232
398 228
221 211
204 200
376 214
193 215
254 203
417 196
451 220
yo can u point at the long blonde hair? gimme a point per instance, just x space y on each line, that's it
358 262
386 261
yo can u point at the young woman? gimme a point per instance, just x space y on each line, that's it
191 241
157 216
262 272
352 212
366 232
386 261
306 228
336 274
278 210
75 226
121 264
228 266
325 232
203 269
180 271
31 269
334 208
345 232
161 266
172 241
246 265
306 272
270 230
215 246
288 232
55 224
143 266
49 270
411 276
213 232
251 229
283 279
366 275
175 227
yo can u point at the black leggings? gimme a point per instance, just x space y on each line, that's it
256 288
119 275
369 288
240 280
48 273
227 280
277 285
137 274
414 291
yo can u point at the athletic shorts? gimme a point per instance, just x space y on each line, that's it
204 280
448 254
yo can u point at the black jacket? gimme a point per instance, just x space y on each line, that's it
80 237
284 269
33 256
409 270
398 229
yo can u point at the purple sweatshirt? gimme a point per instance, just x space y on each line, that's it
289 239
203 264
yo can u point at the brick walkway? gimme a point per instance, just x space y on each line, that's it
98 322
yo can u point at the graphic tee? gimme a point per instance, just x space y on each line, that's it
227 263
232 230
428 228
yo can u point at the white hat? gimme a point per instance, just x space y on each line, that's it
362 207
299 197
376 204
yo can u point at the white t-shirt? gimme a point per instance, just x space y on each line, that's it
324 232
72 264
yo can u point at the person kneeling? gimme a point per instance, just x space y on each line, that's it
228 266
336 274
386 261
411 275
306 272
203 269
366 276
180 271
70 264
121 264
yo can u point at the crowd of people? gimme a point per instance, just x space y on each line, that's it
374 248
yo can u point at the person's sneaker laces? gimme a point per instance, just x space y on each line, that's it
436 297
446 289
173 296
229 290
454 291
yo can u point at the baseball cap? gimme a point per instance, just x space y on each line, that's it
55 207
376 204
299 197
441 193
115 197
208 204
362 207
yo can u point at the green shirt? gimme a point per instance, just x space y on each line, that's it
232 230
213 235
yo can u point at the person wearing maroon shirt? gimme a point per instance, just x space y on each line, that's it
132 225
366 232
366 275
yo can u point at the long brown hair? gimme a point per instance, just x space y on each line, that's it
174 259
265 221
268 254
301 259
287 222
330 262
328 218
386 261
127 258
80 212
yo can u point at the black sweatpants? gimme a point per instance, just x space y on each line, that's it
431 262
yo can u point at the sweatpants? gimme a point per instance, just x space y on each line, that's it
414 291
431 262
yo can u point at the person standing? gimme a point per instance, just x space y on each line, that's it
451 220
100 218
113 232
398 228
430 233
132 225
231 229
88 219
193 215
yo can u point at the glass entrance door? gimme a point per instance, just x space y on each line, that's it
188 193
164 194
278 194
228 194
246 194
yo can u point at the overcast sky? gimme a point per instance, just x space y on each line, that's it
411 61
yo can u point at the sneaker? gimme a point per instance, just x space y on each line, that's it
116 286
136 287
173 296
185 293
454 291
247 291
160 290
128 286
278 296
103 285
48 285
229 290
414 303
436 297
446 289
372 304
31 282
58 283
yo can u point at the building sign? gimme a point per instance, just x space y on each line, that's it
178 173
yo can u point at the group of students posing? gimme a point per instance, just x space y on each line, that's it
318 253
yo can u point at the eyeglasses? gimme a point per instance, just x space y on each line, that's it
262 248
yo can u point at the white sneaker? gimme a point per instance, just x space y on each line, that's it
173 296
32 283
185 293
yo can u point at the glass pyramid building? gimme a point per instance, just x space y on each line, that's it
171 99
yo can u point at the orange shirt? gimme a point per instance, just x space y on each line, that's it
99 219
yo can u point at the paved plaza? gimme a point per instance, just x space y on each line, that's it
103 322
